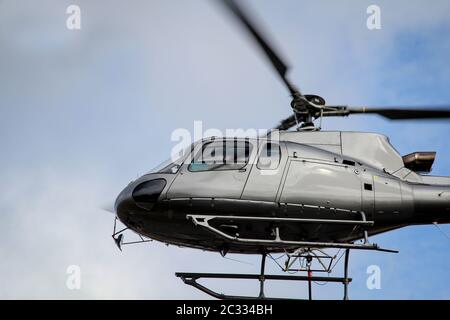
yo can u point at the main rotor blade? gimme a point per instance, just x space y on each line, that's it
404 114
287 123
108 208
393 114
278 64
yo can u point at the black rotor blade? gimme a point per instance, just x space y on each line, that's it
108 208
390 113
278 64
287 123
404 114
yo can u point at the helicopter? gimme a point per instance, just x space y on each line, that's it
296 192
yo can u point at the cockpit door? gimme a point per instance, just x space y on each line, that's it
265 177
219 169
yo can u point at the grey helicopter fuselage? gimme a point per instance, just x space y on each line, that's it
326 175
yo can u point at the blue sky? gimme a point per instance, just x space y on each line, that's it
84 112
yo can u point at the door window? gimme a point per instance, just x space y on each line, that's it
269 157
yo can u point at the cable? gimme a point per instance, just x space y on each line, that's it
442 231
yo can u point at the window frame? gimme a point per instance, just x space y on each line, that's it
203 145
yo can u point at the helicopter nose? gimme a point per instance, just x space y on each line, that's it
143 194
123 200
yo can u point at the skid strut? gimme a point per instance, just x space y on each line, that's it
346 282
261 276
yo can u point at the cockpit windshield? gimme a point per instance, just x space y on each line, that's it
173 164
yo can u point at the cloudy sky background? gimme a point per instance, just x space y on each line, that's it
84 112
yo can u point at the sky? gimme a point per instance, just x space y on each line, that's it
83 112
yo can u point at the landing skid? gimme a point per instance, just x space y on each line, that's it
192 278
306 252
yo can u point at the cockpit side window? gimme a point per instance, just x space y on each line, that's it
221 155
173 164
172 167
269 157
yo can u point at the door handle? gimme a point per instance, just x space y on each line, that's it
243 170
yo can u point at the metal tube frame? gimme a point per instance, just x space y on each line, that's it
118 236
203 221
192 278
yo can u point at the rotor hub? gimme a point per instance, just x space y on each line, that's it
315 99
